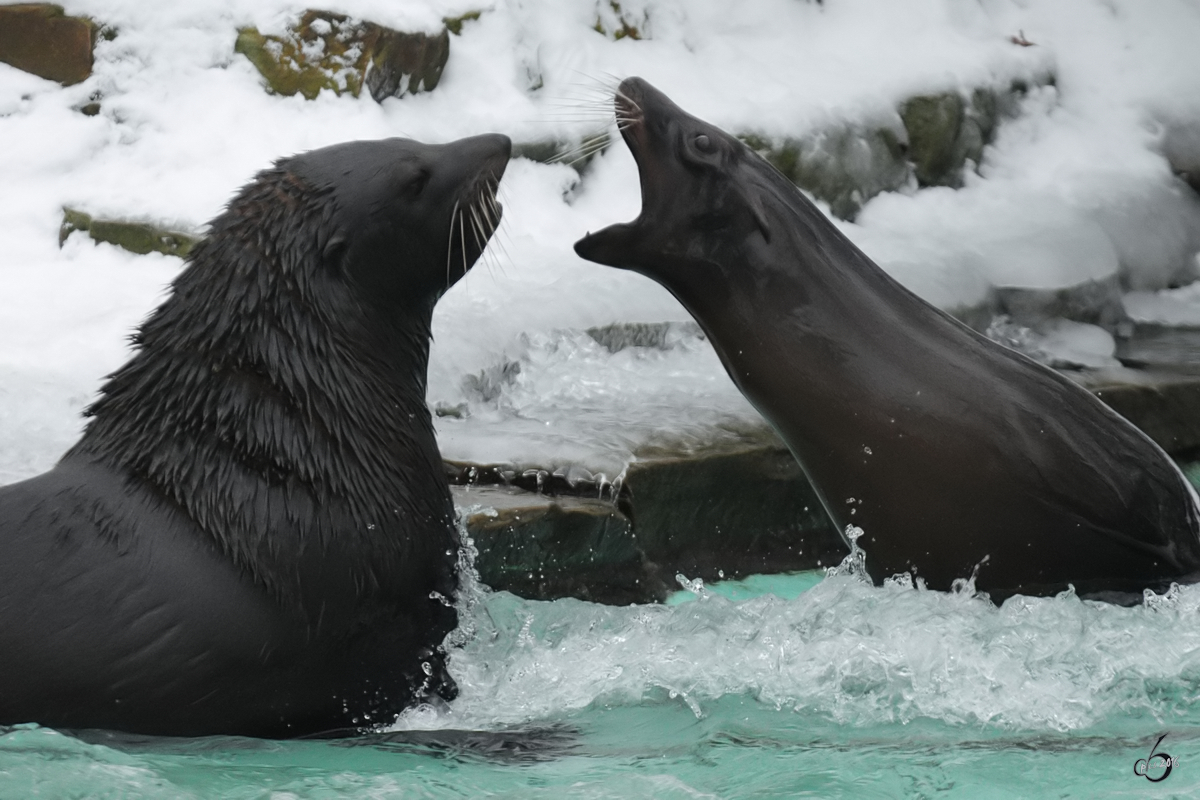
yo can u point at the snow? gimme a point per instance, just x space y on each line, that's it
1175 307
1076 188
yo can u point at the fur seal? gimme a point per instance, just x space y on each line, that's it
254 535
954 455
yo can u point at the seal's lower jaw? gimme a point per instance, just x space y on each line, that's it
613 246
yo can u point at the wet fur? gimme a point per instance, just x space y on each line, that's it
254 535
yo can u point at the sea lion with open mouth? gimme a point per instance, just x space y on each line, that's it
955 456
254 535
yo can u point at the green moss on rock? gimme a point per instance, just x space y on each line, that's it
930 141
933 123
455 24
619 23
946 131
136 237
327 50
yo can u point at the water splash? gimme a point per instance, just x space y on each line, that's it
843 651
854 565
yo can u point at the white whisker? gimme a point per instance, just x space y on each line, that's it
462 239
450 242
477 226
581 153
629 100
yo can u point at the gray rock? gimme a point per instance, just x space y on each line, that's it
946 131
845 166
545 548
1161 347
928 143
656 335
728 511
1181 146
1096 302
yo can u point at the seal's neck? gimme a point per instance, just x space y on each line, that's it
287 419
791 316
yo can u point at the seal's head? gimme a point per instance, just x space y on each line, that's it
407 219
277 396
702 190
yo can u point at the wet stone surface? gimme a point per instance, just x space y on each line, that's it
1163 403
545 547
718 512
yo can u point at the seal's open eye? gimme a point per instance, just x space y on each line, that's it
704 144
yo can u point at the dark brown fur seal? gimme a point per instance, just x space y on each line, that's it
254 535
951 453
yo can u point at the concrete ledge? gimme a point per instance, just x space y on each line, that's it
726 510
1164 404
545 547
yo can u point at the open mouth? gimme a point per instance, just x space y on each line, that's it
614 244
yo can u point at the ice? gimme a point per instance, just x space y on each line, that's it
1166 306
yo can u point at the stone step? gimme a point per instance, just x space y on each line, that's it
545 547
1164 403
722 511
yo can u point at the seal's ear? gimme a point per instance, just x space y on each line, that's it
334 248
760 215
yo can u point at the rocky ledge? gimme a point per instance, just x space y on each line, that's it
726 510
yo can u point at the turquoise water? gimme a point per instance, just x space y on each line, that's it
783 686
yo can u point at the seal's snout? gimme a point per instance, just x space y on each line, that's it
487 153
470 212
627 102
494 148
